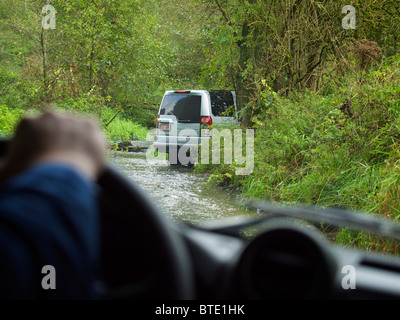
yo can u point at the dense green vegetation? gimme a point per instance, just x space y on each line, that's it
339 149
330 137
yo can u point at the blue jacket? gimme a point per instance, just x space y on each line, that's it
49 216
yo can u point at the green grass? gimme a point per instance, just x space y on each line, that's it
9 118
119 129
123 129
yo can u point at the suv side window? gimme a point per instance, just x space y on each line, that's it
222 103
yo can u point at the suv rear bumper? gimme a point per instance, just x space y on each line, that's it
164 144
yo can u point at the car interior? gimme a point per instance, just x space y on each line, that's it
280 254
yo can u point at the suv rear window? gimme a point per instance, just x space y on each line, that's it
186 108
222 103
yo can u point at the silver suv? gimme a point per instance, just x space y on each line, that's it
184 113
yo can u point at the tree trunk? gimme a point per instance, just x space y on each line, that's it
44 57
243 82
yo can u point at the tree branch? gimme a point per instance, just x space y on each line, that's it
311 69
224 14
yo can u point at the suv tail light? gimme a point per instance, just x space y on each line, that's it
206 120
158 117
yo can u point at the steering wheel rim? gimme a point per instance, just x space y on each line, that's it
125 210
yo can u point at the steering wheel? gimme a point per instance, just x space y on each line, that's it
143 257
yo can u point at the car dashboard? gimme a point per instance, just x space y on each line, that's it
284 259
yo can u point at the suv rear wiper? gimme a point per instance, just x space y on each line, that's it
336 217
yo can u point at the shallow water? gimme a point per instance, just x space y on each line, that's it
178 192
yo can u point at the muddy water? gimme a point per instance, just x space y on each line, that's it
179 193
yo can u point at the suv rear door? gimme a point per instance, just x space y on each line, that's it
180 110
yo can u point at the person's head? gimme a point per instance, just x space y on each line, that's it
52 137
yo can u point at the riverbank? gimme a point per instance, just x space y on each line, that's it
130 146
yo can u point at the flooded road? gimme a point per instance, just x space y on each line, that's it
179 193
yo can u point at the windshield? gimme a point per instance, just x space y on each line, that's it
315 106
184 107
